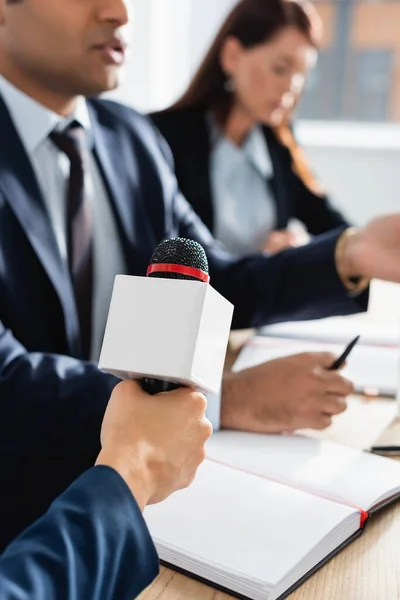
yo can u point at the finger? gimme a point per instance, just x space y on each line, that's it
317 360
322 421
333 405
335 383
130 387
291 237
323 359
186 394
191 469
207 429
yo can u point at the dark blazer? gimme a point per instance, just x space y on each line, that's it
92 544
188 136
51 402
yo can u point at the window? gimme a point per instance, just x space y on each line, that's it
358 73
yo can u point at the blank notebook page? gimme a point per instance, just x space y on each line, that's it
247 528
358 478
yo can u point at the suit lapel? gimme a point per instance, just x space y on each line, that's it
195 153
21 189
203 161
119 167
277 183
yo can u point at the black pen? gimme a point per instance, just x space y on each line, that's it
388 450
339 362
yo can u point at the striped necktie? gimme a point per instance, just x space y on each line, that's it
79 228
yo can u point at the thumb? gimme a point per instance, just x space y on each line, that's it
325 359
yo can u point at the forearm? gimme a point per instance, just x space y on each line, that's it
92 544
316 211
233 405
297 284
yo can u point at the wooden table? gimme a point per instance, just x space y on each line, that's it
368 569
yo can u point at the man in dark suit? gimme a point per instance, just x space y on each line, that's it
93 543
86 191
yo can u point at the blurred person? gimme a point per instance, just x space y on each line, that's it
87 191
93 544
236 159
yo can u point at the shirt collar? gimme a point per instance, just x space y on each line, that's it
33 121
255 148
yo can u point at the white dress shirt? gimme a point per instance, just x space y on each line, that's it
244 208
34 123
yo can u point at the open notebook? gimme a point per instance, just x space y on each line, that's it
264 512
372 369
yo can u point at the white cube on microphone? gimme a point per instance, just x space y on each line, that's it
168 329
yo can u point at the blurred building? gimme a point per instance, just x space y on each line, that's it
358 72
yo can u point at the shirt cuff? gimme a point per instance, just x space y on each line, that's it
213 411
355 285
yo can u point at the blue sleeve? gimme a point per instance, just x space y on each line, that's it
311 206
92 544
315 211
51 402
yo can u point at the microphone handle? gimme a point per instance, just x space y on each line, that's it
156 386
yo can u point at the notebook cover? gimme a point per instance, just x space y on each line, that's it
286 593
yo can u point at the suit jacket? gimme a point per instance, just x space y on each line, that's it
188 136
51 402
92 544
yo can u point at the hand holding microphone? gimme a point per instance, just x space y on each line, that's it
168 330
146 440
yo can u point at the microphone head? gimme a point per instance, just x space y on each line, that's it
179 258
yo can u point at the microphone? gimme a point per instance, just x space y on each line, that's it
176 258
171 328
179 258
